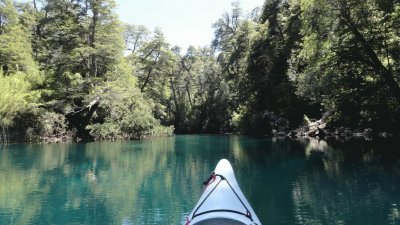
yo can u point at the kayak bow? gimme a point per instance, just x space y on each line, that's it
222 201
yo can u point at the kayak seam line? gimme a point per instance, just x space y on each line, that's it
224 210
194 213
248 213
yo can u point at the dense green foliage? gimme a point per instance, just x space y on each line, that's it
72 70
64 76
311 57
350 57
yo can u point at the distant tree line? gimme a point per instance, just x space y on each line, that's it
69 69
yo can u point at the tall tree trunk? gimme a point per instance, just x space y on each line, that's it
34 5
188 93
187 83
386 74
174 95
1 139
135 45
147 79
1 24
86 6
93 66
4 133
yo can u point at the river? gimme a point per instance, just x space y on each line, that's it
159 181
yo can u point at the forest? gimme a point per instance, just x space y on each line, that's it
70 70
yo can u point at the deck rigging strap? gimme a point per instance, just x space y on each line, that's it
213 175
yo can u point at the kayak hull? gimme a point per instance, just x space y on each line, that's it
222 201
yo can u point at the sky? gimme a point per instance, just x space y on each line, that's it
183 22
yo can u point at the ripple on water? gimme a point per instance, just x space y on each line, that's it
159 181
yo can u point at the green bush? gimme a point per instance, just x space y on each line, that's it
54 127
123 113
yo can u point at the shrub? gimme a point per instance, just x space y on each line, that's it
123 113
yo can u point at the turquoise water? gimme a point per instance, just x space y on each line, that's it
159 181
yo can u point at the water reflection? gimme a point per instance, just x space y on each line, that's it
354 187
158 181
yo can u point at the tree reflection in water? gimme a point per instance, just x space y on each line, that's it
304 181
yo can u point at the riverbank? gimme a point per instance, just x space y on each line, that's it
319 129
71 137
278 127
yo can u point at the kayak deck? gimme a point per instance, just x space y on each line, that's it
222 201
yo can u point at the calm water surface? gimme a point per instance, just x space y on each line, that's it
159 181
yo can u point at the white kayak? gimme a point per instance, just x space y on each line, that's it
222 201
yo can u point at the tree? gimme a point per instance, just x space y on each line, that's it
349 58
255 62
200 96
123 112
153 63
105 37
269 55
19 75
15 46
79 46
16 97
135 36
153 58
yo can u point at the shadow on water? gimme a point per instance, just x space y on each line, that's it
158 181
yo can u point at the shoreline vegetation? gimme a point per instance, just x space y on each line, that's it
72 71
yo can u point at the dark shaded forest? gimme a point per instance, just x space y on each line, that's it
71 70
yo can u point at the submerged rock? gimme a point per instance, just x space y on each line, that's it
368 132
385 134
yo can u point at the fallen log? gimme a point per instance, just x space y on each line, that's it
80 118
